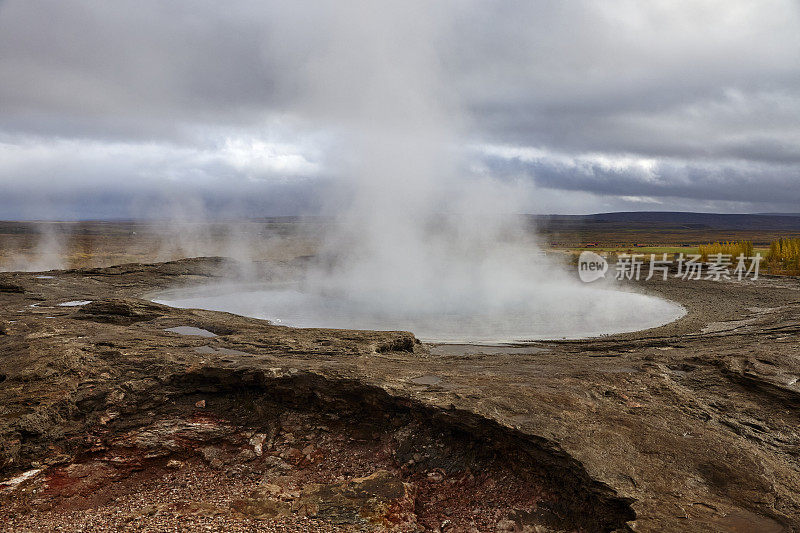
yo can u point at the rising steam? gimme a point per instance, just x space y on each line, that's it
415 242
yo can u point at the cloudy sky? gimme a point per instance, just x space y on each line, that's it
126 108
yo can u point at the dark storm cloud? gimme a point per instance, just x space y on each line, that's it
107 102
722 181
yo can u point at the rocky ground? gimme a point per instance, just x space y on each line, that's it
110 422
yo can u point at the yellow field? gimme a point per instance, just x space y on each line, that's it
733 249
784 256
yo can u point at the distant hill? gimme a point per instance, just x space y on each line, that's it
665 219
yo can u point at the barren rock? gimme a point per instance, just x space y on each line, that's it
670 427
381 499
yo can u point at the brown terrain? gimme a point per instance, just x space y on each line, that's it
109 422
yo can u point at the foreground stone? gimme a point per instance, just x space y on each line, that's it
381 500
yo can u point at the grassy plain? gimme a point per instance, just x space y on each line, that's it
46 245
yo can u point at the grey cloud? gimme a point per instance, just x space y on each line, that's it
709 90
721 181
131 68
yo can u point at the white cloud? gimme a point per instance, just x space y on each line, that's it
257 158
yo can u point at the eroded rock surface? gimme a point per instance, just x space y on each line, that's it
109 422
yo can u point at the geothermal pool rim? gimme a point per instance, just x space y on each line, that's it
681 414
285 303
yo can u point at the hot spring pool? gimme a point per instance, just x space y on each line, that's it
572 312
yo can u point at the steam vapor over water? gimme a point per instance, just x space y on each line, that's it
414 241
400 126
410 235
414 247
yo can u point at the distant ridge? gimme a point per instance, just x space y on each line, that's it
766 221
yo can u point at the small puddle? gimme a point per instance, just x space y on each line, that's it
74 303
478 349
730 325
219 351
426 380
191 330
619 370
45 277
